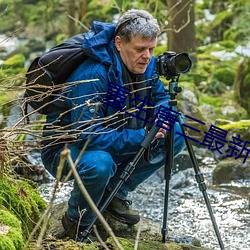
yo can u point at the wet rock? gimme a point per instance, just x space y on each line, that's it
181 179
230 169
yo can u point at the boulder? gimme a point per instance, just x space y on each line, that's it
230 169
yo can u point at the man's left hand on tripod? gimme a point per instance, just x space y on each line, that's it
162 131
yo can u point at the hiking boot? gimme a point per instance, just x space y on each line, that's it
121 211
75 231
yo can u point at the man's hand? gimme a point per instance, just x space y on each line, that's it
162 131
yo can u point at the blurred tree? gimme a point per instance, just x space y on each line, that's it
72 13
76 11
225 20
181 26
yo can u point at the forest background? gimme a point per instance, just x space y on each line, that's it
216 35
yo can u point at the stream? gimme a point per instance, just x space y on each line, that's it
187 212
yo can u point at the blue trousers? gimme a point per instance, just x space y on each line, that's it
100 170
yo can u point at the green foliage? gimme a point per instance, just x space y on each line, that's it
221 23
214 101
216 67
160 49
224 75
229 23
48 20
242 84
12 67
9 219
17 61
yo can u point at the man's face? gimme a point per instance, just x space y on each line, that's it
137 53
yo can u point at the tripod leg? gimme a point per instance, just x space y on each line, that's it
202 186
168 173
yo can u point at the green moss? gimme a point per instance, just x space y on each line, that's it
91 247
128 244
228 45
21 199
236 125
13 71
16 237
13 238
214 101
9 219
16 61
225 75
6 243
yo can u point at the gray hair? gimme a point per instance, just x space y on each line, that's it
137 22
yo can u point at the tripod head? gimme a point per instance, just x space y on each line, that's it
171 65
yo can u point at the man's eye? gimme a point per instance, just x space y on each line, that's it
139 50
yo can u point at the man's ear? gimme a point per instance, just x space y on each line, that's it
118 42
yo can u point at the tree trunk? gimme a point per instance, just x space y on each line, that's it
181 27
71 6
83 8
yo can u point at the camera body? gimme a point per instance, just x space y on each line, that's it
171 65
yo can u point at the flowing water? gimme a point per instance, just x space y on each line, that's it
187 212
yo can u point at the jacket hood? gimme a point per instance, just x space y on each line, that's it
98 42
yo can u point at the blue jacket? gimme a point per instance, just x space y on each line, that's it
88 117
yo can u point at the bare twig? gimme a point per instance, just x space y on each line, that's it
67 155
137 236
77 21
99 238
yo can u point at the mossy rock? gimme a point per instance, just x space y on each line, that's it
21 199
230 169
222 106
11 237
240 128
128 244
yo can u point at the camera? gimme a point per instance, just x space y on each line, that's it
171 65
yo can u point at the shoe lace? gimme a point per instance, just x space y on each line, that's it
127 203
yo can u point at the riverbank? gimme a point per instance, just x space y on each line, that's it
188 216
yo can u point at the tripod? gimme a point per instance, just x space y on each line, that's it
173 90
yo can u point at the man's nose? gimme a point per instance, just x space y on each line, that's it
146 54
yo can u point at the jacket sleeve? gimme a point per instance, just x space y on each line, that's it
159 96
89 120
